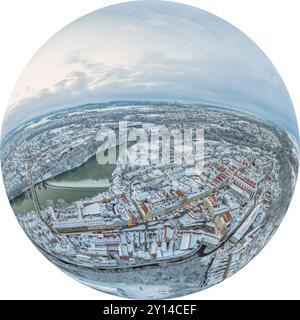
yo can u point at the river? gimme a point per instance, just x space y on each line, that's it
82 182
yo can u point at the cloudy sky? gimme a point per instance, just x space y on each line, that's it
150 50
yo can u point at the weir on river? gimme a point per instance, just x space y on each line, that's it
82 182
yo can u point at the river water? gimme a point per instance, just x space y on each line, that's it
82 182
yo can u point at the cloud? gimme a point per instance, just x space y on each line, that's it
156 50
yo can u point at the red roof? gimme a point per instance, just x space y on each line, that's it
144 207
227 216
246 180
212 199
180 193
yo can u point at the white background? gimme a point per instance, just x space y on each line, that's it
26 25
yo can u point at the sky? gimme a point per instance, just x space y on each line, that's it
150 50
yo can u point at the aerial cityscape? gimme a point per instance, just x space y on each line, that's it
157 215
149 150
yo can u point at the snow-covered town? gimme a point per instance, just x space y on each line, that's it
156 215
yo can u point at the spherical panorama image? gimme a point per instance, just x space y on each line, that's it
150 150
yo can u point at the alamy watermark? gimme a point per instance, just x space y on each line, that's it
151 145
